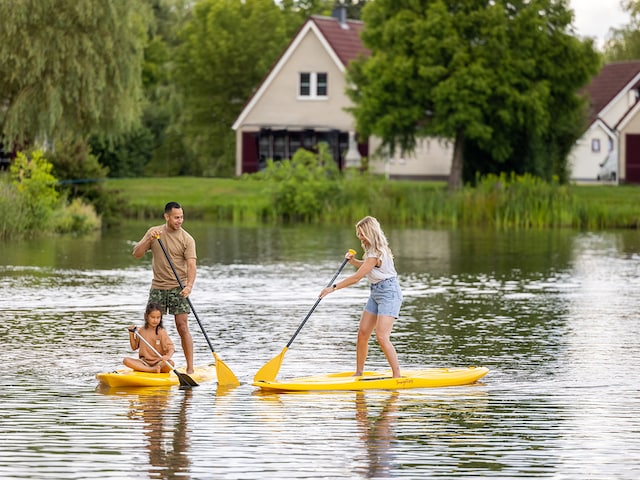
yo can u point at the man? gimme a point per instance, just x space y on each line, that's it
165 288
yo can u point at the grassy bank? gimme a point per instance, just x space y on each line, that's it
496 203
203 198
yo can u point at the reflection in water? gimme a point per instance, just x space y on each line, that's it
377 434
166 431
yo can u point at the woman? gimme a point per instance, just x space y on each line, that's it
385 298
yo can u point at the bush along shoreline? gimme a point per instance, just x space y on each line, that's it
310 189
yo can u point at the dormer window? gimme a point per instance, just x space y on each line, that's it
313 85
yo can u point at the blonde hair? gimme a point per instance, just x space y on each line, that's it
371 231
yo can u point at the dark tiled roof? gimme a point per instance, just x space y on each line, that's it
345 40
608 83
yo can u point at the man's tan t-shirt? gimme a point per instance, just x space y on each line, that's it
180 246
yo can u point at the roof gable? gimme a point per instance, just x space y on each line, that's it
614 79
340 40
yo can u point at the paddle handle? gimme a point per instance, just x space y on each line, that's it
175 273
344 262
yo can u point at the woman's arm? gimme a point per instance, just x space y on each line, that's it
365 267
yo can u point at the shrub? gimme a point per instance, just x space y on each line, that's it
77 218
36 188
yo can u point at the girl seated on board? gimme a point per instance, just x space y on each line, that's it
154 333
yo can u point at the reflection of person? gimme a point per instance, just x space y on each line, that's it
377 434
165 289
154 333
385 298
166 431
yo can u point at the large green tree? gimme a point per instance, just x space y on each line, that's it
227 46
496 74
69 66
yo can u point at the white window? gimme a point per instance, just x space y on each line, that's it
313 85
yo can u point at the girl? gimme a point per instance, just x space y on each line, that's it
385 298
154 333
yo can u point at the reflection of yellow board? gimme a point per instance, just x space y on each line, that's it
126 377
432 377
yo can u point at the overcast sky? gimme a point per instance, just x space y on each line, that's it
593 18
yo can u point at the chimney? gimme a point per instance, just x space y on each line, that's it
340 13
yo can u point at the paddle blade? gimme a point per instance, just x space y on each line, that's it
225 376
269 371
185 380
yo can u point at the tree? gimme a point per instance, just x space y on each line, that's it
154 146
226 48
492 73
624 42
69 66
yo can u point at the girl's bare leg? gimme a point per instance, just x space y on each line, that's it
139 365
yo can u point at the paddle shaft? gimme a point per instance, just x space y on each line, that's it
175 272
344 262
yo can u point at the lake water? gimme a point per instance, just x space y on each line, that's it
553 314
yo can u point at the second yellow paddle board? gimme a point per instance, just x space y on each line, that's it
427 378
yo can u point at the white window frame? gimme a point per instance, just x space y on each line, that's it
313 86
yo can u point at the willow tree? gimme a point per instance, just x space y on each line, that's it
69 67
469 70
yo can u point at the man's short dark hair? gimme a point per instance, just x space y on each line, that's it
170 206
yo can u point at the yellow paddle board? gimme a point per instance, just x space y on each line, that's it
428 378
125 377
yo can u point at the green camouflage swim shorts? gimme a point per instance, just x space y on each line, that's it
171 300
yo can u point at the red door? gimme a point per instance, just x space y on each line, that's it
249 152
632 158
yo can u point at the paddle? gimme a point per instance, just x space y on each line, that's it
185 380
270 369
225 375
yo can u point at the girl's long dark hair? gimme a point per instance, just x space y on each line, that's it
152 307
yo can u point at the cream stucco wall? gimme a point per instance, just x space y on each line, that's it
618 108
431 158
584 162
280 106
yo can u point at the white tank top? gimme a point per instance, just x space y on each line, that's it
386 269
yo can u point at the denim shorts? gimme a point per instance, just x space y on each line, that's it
171 301
385 298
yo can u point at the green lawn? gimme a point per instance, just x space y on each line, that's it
199 196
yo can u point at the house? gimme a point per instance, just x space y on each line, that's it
301 102
609 149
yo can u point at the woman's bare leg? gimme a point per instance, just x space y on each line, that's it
367 324
383 334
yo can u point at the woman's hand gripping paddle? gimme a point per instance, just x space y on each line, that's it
185 380
270 369
225 375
